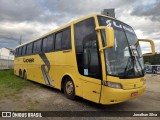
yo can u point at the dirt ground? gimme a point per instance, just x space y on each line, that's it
48 99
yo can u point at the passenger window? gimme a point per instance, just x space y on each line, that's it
58 41
34 47
19 51
24 50
29 48
66 39
44 47
50 43
16 52
38 48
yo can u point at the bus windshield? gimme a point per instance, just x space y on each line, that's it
125 58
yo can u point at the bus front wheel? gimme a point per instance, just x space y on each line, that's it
69 89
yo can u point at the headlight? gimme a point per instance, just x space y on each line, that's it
112 84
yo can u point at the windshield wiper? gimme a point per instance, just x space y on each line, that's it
130 60
137 58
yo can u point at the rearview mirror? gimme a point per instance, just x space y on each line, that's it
152 46
109 36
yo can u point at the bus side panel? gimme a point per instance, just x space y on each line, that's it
33 68
34 71
63 63
16 66
16 69
57 72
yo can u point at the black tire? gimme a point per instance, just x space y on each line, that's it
20 74
25 75
69 88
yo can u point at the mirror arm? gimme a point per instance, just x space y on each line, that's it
100 28
102 49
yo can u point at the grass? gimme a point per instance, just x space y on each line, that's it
10 84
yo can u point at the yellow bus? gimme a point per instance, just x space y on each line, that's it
95 57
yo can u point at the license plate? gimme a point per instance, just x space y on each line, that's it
134 94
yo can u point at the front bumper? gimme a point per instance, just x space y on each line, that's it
113 96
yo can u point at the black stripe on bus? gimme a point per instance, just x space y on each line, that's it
46 76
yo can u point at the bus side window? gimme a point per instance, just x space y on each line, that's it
34 47
58 41
66 39
44 46
39 46
19 51
16 52
29 49
50 43
24 50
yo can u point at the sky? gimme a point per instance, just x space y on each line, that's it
31 18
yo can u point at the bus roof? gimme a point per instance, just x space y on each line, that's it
64 26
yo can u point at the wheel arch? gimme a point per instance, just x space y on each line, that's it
20 70
24 70
64 78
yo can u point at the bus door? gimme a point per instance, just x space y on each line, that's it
92 71
88 60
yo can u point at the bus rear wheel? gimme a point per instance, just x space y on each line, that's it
69 89
20 74
25 75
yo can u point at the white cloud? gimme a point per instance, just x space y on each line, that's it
34 17
27 30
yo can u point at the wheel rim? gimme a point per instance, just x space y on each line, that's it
69 87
